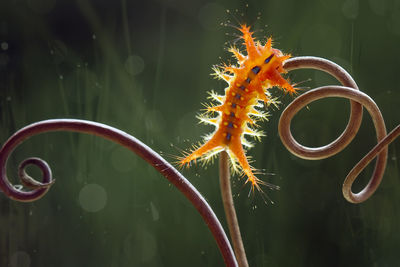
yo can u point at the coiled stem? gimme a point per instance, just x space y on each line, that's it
120 137
358 99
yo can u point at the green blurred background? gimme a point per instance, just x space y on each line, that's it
143 66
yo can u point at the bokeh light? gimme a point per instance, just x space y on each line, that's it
93 197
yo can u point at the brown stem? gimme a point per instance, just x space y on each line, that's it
355 113
122 138
230 212
358 99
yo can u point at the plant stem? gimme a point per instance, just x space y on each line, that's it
119 137
357 99
230 213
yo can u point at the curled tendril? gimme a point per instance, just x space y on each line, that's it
358 99
28 181
120 137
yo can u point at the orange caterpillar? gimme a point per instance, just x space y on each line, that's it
248 87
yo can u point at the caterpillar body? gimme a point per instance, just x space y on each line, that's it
237 111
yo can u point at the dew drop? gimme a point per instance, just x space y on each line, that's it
154 212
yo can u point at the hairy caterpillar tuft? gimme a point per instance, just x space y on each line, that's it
236 113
